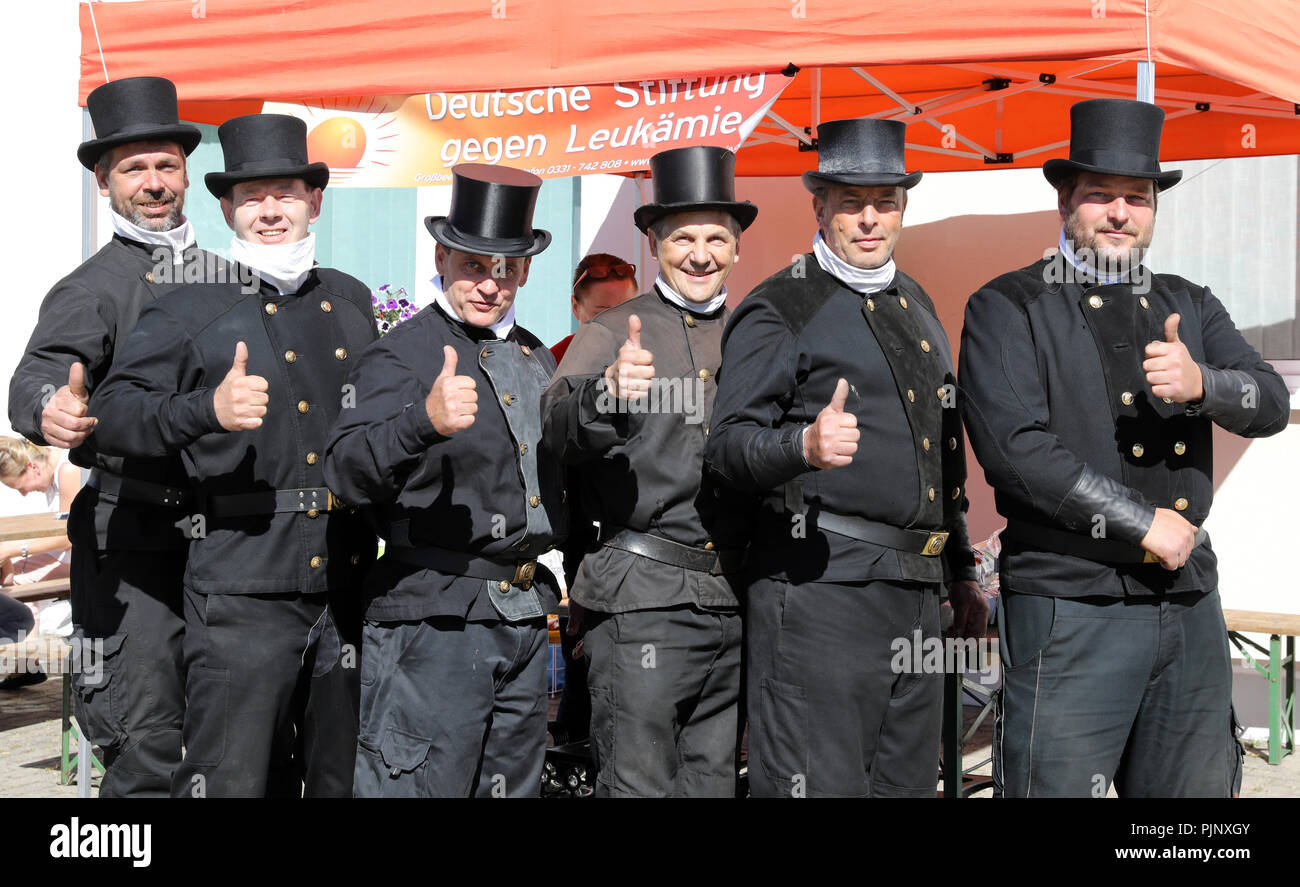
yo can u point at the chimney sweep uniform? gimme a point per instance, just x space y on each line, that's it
128 552
1113 666
270 646
666 574
844 561
454 669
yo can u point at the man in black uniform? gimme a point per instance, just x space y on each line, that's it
849 548
1090 387
630 406
246 384
444 443
128 548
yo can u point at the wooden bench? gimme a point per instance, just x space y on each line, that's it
1279 672
50 649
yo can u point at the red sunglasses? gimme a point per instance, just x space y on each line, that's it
619 272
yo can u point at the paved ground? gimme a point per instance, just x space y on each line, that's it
29 750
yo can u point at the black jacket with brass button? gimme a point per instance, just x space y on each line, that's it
641 463
787 346
481 491
1070 435
158 400
86 318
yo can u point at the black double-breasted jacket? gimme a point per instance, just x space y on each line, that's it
158 400
1070 435
786 348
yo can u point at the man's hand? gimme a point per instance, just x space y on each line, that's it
240 400
453 400
831 440
575 618
1170 370
64 422
1170 538
970 609
629 376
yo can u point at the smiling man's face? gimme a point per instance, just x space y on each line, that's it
1114 216
696 251
271 210
145 183
481 289
861 223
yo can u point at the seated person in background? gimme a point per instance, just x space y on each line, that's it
28 468
600 281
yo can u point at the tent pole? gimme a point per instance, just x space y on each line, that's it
88 191
816 95
1146 82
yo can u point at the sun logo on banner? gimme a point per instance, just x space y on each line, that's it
347 134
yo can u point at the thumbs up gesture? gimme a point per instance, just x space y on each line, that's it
629 376
64 422
1170 370
832 439
452 401
240 400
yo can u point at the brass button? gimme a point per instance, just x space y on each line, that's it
925 346
508 398
302 406
340 354
931 494
1126 398
311 458
941 393
1180 504
1138 450
902 300
290 357
1095 301
525 349
534 500
523 449
483 353
317 561
149 277
911 396
690 321
326 306
925 444
1144 303
269 308
1167 399
956 492
871 304
952 444
355 559
708 546
314 513
704 374
503 585
1180 448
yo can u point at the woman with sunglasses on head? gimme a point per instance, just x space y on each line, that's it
600 281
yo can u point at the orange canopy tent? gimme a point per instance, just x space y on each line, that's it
981 84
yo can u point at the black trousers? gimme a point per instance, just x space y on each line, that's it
130 683
830 712
1136 692
665 697
270 698
451 708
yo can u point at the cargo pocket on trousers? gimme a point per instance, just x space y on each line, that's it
98 714
784 710
207 715
602 732
403 752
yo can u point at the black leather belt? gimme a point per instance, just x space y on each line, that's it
657 548
273 502
460 563
133 490
929 543
1110 551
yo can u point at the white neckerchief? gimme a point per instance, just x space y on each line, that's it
500 329
1070 257
861 280
177 239
694 307
284 265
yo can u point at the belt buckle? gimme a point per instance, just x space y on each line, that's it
332 502
934 545
524 574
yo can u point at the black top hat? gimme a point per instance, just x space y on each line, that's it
134 109
491 212
264 146
1115 137
695 178
861 151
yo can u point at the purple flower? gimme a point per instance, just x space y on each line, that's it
384 287
392 303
